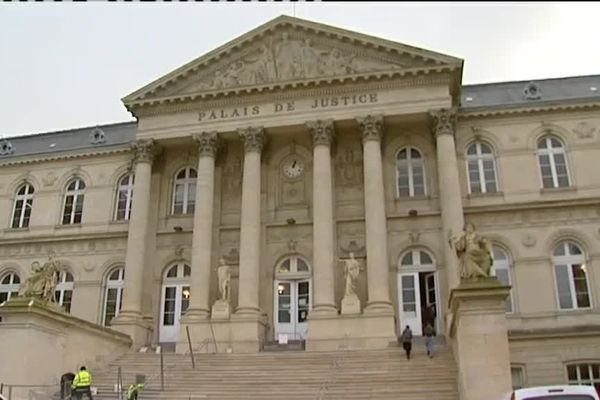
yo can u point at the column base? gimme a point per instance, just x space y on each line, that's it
195 314
379 307
238 334
350 332
324 310
136 326
480 339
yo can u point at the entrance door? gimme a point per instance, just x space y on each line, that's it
292 305
175 300
410 302
431 299
292 298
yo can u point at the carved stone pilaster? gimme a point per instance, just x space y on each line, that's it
442 121
145 150
322 131
207 143
371 127
253 138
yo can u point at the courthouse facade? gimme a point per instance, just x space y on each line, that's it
293 148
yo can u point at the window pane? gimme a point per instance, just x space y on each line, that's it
187 271
172 273
580 283
572 372
414 153
472 150
562 282
3 297
193 173
425 258
573 248
407 259
185 298
402 154
517 377
302 267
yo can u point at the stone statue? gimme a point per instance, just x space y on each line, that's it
475 254
43 281
224 275
351 272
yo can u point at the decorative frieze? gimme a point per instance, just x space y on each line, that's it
322 131
145 150
207 143
442 121
253 138
371 127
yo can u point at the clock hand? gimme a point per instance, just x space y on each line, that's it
294 164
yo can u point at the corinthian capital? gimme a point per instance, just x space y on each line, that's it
145 150
253 138
322 131
371 127
442 121
207 143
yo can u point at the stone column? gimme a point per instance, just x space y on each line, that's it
253 139
130 317
442 122
375 219
203 226
323 226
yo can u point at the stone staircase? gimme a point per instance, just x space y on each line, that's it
365 374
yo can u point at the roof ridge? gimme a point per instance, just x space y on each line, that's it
530 80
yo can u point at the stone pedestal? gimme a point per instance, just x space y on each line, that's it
43 342
351 304
238 334
221 310
480 340
350 332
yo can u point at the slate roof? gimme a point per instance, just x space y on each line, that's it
531 93
104 136
474 97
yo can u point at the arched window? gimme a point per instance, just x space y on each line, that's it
553 162
584 374
63 294
501 269
9 286
481 168
124 197
410 173
571 276
74 202
22 207
184 192
113 296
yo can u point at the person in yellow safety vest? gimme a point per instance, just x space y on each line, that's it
134 389
82 383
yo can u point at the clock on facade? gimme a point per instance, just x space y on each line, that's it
293 167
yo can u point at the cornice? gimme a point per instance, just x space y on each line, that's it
45 157
305 88
466 114
591 201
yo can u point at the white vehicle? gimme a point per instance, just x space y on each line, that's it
565 392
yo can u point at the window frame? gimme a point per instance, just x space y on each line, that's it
594 382
12 287
27 199
523 373
186 182
480 157
64 285
506 264
410 163
117 285
128 190
77 193
569 260
551 153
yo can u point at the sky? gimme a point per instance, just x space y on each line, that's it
67 65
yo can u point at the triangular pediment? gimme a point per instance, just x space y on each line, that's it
290 52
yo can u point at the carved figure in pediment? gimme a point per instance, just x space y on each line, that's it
287 51
310 59
336 63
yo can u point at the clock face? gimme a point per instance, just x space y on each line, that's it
293 168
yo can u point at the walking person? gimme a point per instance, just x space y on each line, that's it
82 384
406 339
429 339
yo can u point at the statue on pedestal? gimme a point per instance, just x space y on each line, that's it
43 281
351 272
475 254
224 275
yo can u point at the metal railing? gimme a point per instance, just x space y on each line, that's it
30 392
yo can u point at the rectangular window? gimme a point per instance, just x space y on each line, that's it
517 374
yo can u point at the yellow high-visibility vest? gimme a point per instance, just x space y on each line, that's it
83 378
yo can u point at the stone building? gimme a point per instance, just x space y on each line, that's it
287 150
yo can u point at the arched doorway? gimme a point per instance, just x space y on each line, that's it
175 300
292 298
418 291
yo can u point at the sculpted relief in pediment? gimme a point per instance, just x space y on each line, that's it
284 58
